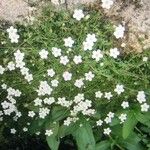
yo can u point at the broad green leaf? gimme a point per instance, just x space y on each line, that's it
84 137
103 145
59 113
53 142
132 142
129 124
143 118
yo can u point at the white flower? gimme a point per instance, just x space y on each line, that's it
4 86
114 52
49 132
28 77
44 89
55 2
14 38
107 4
119 31
98 94
56 52
123 117
87 45
108 120
107 131
12 30
49 101
24 71
99 122
11 66
119 89
2 69
31 114
19 56
43 54
110 115
125 105
78 98
12 131
141 97
108 95
25 129
91 38
78 14
79 83
67 76
77 59
54 83
89 76
37 102
97 55
50 72
145 59
43 112
144 107
68 42
64 60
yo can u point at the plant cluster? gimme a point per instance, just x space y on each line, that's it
64 75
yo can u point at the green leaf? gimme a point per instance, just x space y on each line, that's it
59 113
103 145
84 137
132 142
143 118
129 124
53 142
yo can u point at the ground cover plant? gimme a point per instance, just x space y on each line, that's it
67 74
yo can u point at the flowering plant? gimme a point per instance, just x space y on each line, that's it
65 76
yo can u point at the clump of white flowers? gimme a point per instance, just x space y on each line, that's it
70 81
13 35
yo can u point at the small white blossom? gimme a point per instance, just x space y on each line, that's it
67 76
25 129
87 45
54 83
123 117
11 66
37 102
68 42
110 115
12 131
119 31
49 132
78 14
56 52
91 38
98 94
77 59
31 114
141 97
108 120
107 131
19 56
144 107
114 52
108 95
49 100
89 76
97 55
50 72
43 54
2 69
4 86
64 60
145 59
125 104
79 83
99 122
119 89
